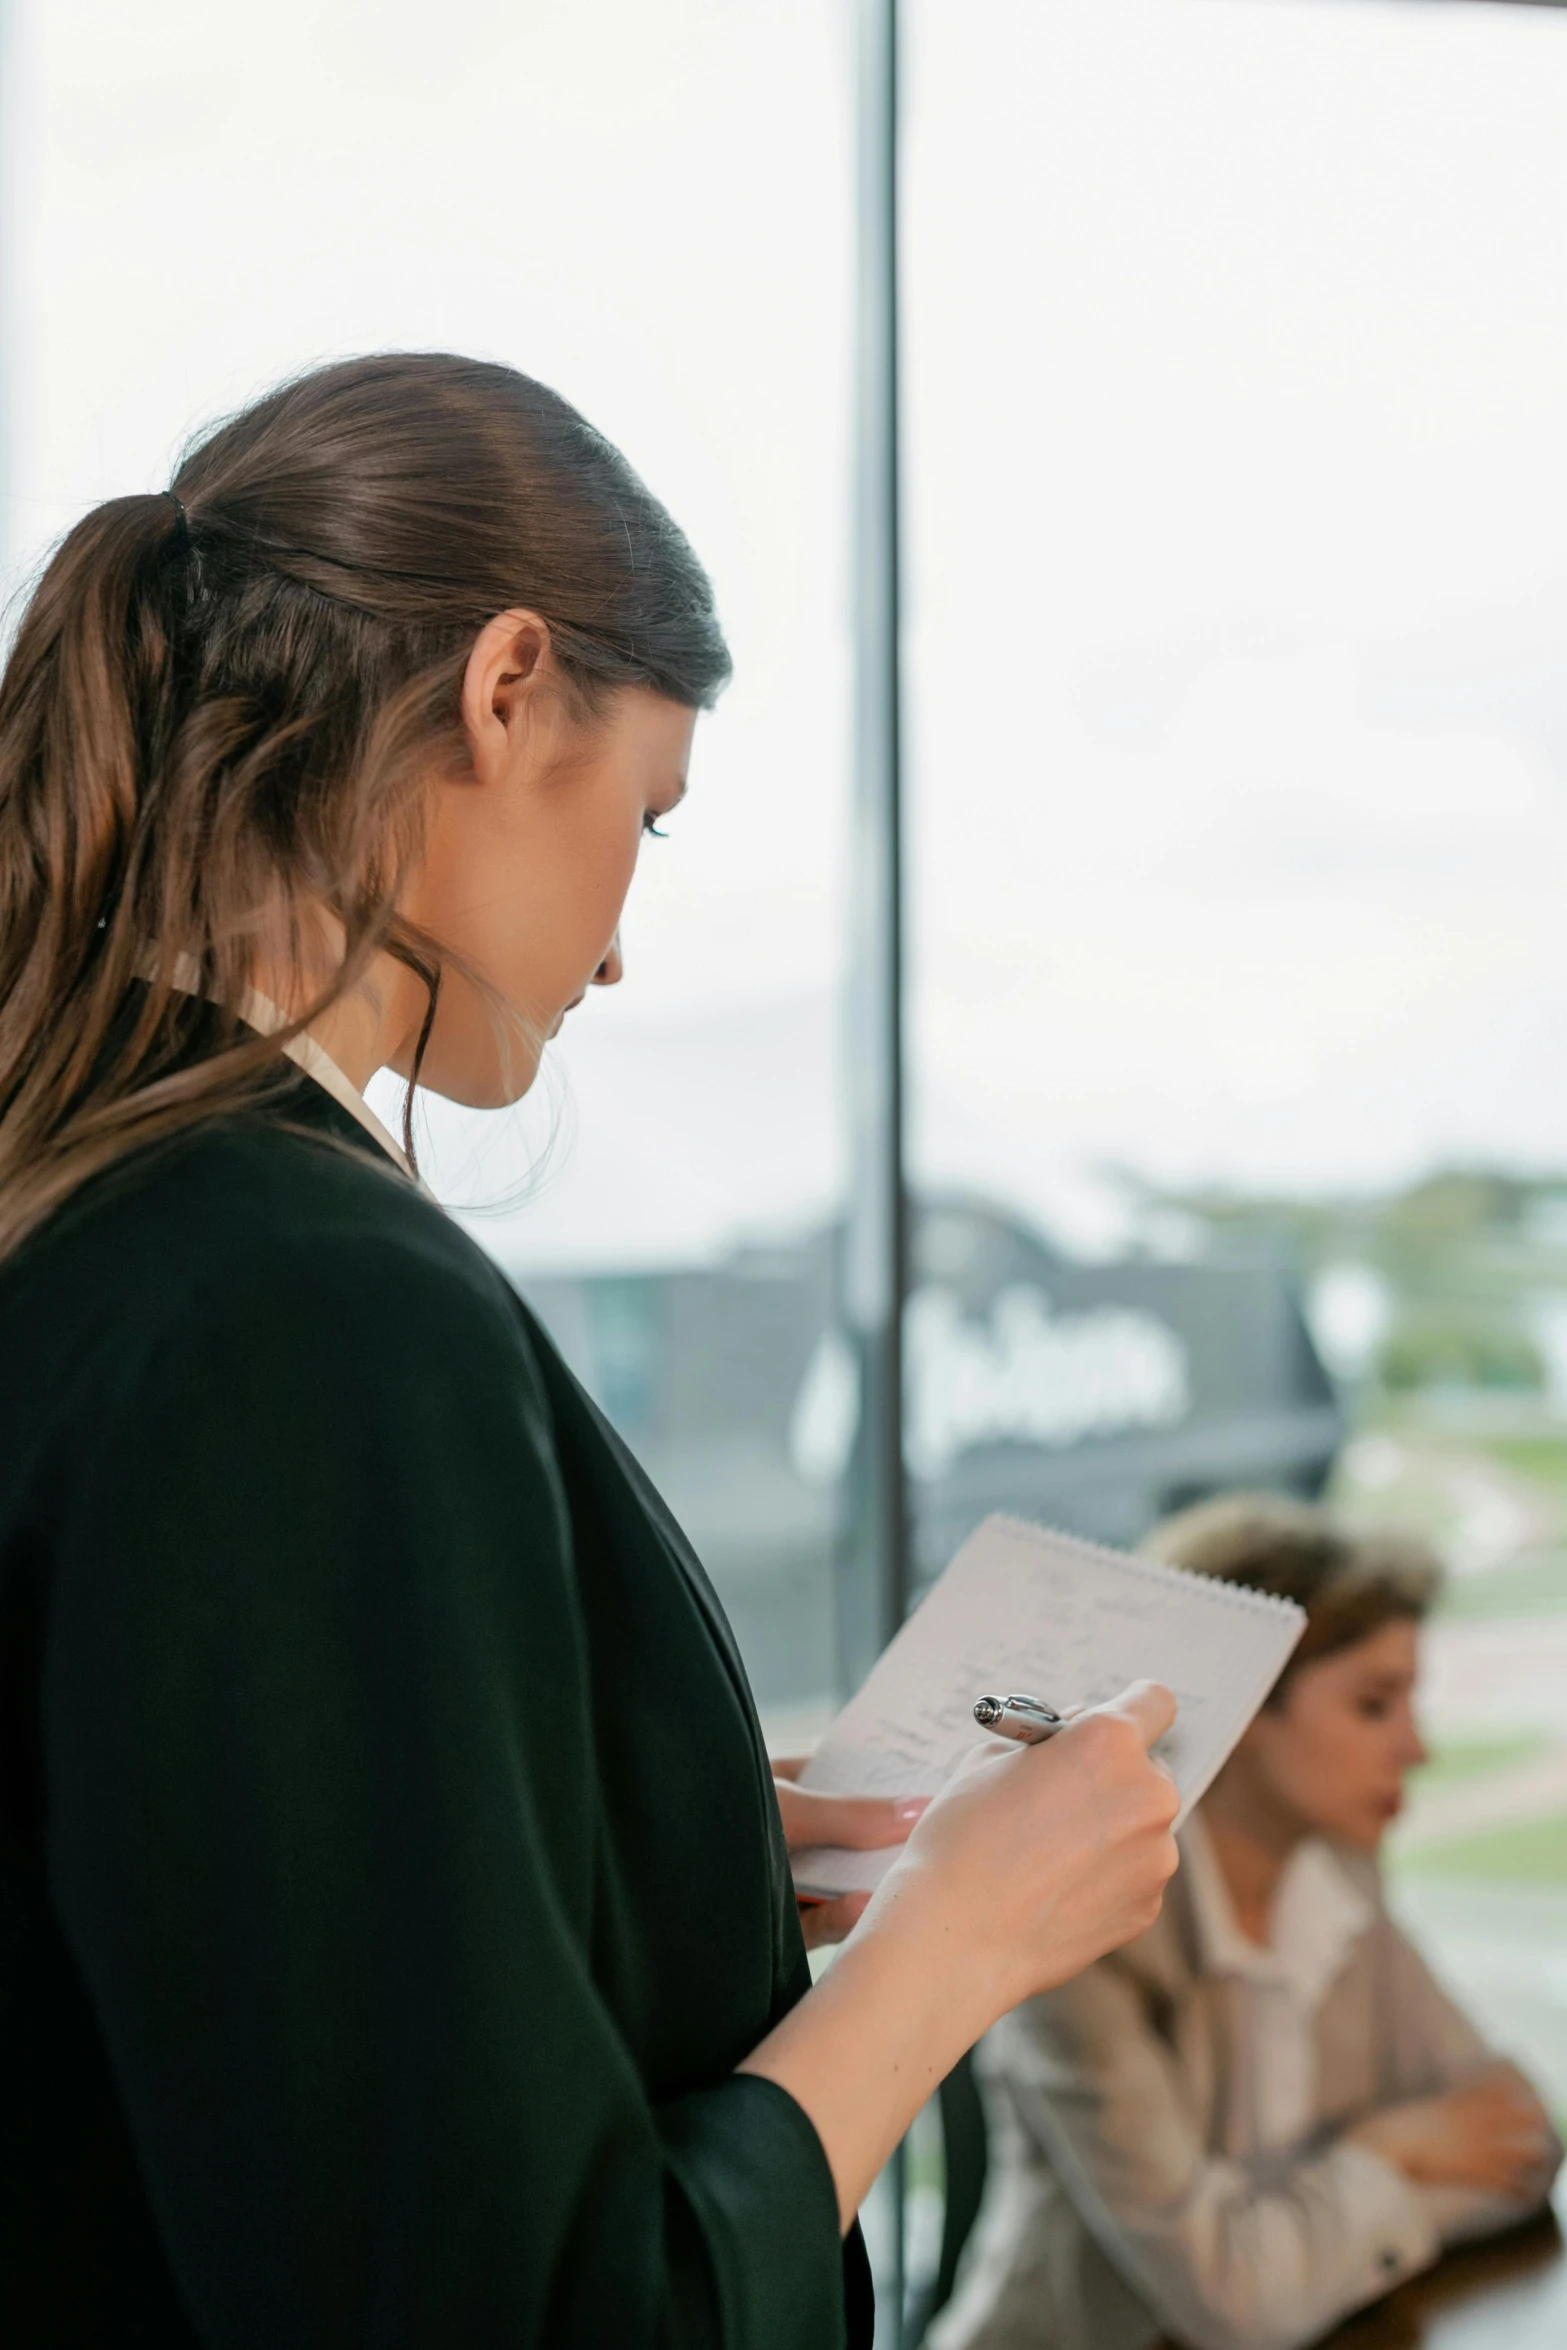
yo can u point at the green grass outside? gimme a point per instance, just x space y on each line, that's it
1531 1852
1534 1587
1461 1759
1541 1459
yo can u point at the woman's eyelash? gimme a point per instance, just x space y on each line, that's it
650 825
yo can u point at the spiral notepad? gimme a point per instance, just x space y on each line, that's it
1021 1608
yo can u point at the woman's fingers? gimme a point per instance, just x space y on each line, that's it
1503 2101
1525 2099
1147 1705
822 1922
870 1823
863 1822
1499 2132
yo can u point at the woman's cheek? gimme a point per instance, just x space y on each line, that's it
612 901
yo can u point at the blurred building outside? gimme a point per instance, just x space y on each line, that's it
1091 1397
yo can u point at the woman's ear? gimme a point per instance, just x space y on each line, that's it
509 664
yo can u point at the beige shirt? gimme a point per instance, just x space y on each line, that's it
1275 1990
1166 2132
262 1013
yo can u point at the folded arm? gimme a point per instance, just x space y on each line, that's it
1469 2131
1229 2255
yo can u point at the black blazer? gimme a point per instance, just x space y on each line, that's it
390 1875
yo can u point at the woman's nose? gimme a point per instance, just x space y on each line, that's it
612 970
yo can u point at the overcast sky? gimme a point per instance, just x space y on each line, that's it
1237 352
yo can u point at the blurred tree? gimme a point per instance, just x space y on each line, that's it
1425 1351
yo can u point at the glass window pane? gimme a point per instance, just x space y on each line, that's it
1238 354
648 209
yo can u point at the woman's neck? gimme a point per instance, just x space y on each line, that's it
373 1027
360 1036
1253 1837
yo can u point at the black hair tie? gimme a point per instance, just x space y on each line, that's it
184 518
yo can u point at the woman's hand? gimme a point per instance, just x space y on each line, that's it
1491 2134
863 1823
1032 1862
1035 1860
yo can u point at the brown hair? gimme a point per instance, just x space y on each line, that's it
226 697
1350 1582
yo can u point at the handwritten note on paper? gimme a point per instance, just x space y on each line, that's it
1024 1609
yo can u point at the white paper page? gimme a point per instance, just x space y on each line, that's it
1024 1609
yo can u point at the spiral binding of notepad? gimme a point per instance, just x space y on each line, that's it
1160 1570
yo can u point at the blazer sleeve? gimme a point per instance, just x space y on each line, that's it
1227 2254
320 1838
1438 2048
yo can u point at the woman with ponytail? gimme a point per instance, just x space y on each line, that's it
396 1937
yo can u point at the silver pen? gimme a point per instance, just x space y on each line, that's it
1028 1719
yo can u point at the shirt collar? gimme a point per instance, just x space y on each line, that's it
261 1013
1318 1916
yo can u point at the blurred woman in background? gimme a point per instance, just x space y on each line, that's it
1264 2112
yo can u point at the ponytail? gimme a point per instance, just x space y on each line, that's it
224 699
87 704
